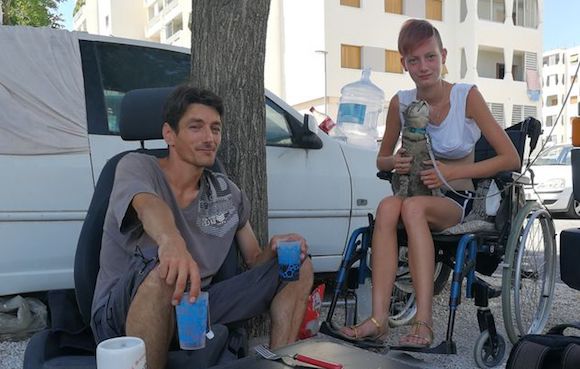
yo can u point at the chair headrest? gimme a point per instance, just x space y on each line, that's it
141 116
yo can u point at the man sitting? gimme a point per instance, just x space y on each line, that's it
170 225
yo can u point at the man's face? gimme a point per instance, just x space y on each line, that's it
199 135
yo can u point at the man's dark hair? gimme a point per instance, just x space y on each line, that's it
185 95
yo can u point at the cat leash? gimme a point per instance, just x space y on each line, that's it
442 178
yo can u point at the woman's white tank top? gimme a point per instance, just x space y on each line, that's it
456 136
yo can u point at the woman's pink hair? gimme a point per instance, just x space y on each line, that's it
414 32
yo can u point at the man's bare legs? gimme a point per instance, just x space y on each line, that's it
151 317
288 307
384 267
421 215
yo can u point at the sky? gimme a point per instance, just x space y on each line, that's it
560 16
66 9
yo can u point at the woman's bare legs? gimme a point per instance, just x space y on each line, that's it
384 266
421 214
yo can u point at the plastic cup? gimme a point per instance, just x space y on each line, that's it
192 321
121 353
289 260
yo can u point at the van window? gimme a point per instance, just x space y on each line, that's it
121 68
124 68
277 129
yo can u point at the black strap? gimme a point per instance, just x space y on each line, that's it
571 357
559 329
527 355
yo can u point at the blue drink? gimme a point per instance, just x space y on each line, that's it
192 321
289 260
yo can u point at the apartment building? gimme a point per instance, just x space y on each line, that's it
162 21
315 47
560 67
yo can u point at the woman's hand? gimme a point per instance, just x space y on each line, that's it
402 162
431 178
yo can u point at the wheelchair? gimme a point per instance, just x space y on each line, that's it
518 243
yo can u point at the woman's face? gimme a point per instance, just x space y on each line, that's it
424 63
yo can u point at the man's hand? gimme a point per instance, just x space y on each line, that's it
290 237
176 266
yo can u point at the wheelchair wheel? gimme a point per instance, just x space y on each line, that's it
529 272
403 307
485 354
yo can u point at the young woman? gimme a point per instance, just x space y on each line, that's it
458 116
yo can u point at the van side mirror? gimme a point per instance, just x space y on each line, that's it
307 138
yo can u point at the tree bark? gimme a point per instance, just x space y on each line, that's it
228 46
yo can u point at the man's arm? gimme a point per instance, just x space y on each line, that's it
176 266
250 247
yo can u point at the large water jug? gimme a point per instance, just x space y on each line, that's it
361 105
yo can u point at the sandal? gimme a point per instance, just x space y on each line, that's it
379 335
427 340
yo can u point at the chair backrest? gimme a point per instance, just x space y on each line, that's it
141 119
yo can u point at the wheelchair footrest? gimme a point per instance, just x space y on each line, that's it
445 348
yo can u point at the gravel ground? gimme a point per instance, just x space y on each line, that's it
565 309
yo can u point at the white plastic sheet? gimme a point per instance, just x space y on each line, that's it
42 104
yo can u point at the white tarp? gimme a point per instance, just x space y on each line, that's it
42 104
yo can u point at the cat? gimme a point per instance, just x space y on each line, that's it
414 141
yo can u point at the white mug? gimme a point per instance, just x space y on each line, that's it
121 353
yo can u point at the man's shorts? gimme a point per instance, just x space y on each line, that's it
465 202
241 297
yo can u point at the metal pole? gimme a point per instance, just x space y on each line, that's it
324 52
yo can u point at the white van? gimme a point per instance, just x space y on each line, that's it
59 99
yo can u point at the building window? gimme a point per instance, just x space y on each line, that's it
525 13
492 10
573 79
353 3
521 112
573 58
393 62
434 9
394 6
552 100
497 112
573 99
174 26
549 120
500 71
107 21
350 56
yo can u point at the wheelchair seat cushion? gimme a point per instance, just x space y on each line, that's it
472 226
477 220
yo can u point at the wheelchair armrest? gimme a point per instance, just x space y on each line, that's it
383 174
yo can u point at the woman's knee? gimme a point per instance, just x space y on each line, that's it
413 209
389 210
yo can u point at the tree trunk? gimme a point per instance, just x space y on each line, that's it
228 46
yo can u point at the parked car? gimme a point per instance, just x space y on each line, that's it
60 94
552 181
